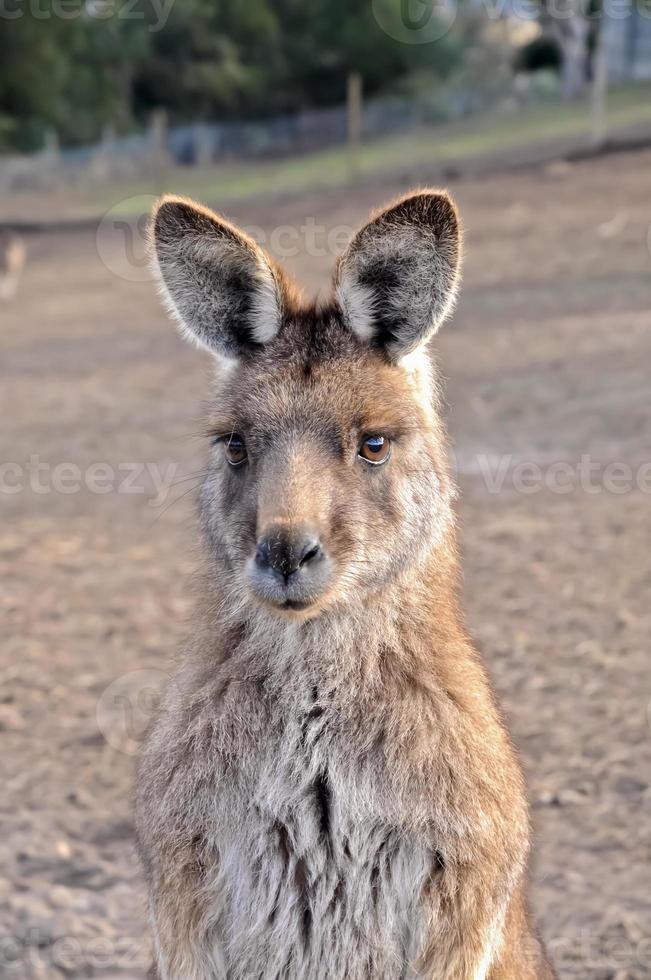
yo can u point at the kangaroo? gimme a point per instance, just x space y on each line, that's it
328 791
13 255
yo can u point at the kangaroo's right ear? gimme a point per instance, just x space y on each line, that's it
215 281
397 280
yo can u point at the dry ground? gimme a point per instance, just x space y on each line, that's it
546 361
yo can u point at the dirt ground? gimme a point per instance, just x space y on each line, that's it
547 367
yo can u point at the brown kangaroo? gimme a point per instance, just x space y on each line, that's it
329 792
13 255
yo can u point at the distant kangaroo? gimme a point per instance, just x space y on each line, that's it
12 260
329 792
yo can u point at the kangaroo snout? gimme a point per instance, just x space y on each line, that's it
285 552
291 568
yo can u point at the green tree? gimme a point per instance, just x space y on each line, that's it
72 74
107 61
210 59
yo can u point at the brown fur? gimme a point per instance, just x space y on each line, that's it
329 792
13 255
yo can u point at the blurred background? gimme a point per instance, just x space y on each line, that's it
295 119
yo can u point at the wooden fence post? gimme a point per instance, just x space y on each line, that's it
354 120
599 88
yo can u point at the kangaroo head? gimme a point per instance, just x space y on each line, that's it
327 477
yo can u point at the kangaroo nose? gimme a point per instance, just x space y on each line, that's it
285 551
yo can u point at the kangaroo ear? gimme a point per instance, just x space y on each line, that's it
397 280
215 281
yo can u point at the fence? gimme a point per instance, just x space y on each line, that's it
206 143
200 144
203 144
628 46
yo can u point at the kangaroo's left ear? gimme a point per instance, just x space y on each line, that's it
223 290
397 280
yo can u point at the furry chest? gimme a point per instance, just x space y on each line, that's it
315 877
310 892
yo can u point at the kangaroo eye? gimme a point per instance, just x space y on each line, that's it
375 449
235 450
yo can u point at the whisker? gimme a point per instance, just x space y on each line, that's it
190 476
175 501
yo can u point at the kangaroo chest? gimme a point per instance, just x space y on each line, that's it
317 877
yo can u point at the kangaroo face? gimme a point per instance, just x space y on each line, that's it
327 476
